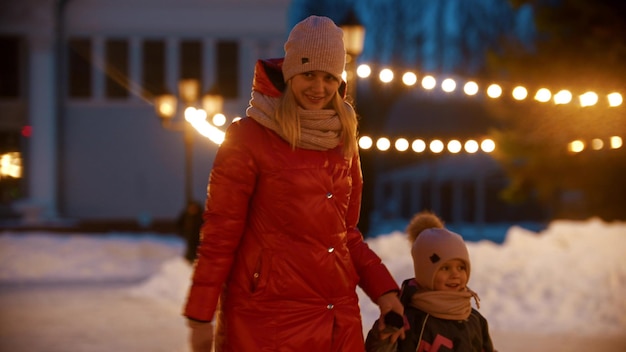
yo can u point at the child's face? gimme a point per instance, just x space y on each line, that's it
451 276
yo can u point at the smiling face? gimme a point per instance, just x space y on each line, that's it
451 276
314 90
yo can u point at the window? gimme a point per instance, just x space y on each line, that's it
10 67
116 69
191 60
153 63
228 68
11 174
79 68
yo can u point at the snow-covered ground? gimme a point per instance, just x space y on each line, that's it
561 289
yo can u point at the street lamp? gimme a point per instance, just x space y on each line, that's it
166 106
353 38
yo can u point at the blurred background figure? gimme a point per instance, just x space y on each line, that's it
189 223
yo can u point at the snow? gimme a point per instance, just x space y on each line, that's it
558 289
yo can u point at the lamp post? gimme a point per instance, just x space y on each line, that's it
353 38
166 106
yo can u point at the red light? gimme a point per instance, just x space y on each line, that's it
27 131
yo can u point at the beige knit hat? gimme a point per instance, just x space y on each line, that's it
314 44
434 247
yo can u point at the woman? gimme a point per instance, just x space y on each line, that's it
279 248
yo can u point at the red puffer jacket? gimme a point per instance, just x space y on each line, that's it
280 247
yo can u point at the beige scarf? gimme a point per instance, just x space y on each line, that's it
319 129
445 304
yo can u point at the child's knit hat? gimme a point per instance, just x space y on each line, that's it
314 44
433 247
422 221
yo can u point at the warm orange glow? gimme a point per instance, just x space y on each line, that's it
383 144
165 106
353 38
576 146
494 91
543 95
363 71
597 144
409 78
563 97
520 93
418 145
616 142
402 144
448 85
615 99
189 90
429 82
470 88
212 104
454 146
11 165
588 99
471 146
365 142
219 120
386 75
436 146
488 145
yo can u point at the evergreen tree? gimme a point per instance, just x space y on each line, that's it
581 46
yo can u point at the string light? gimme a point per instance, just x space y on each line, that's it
543 95
363 71
470 88
418 145
454 146
383 144
615 99
402 144
449 85
436 146
616 142
429 82
588 99
386 75
471 146
409 78
494 90
520 93
577 146
563 97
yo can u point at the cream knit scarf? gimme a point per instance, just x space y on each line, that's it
319 129
445 304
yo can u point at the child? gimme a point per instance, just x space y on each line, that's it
437 307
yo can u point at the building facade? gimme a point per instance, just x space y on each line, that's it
79 79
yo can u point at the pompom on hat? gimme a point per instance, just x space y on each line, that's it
314 44
422 221
433 247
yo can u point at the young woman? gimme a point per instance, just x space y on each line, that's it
280 254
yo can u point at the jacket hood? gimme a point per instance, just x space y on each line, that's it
268 78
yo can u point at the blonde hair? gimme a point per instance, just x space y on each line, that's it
288 120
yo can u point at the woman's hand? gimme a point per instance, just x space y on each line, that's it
201 336
387 303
